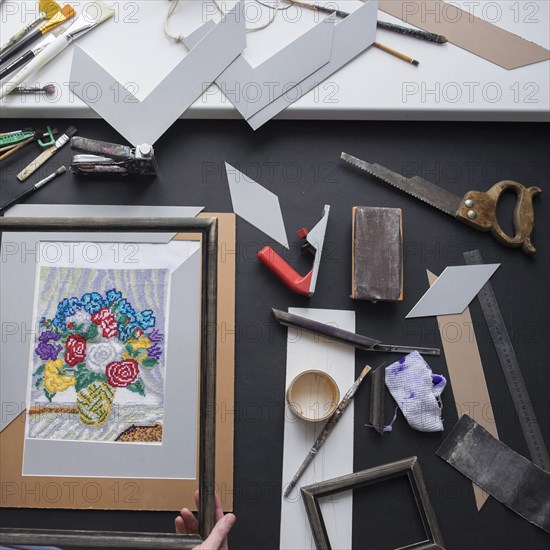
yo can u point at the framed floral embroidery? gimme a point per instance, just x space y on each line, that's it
76 343
98 362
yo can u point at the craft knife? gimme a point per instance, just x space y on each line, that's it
357 340
477 209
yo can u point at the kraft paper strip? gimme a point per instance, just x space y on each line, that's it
466 374
468 32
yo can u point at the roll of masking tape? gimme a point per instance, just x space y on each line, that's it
313 396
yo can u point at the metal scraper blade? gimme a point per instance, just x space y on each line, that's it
419 188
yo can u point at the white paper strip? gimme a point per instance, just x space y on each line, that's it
307 351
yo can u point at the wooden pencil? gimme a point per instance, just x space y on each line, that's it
402 56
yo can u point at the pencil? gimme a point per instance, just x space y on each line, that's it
415 33
327 430
396 53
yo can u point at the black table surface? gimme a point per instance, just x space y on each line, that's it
299 161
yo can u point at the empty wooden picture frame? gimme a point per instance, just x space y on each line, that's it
407 467
208 229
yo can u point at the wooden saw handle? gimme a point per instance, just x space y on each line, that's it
479 210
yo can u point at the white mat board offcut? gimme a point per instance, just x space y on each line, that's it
454 289
256 205
250 88
146 120
352 35
306 351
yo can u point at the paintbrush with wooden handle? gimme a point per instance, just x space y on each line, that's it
327 430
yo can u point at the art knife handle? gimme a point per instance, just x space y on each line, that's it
479 210
291 278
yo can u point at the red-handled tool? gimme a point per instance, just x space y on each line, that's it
300 284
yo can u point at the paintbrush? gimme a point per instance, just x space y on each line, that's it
58 19
415 33
34 188
49 89
46 12
26 57
47 154
327 430
82 25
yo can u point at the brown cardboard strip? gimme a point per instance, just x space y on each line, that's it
17 491
466 374
466 31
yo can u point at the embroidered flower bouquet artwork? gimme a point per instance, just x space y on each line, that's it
97 364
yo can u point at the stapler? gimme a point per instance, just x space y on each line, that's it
314 240
112 159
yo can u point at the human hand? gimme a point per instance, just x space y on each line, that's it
187 524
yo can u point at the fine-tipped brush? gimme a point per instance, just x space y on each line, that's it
82 25
49 89
415 33
26 57
326 431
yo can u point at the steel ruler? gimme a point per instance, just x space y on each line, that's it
511 370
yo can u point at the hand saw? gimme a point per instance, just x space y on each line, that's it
477 209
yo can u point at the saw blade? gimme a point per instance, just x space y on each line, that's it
419 188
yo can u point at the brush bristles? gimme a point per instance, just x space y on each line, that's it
365 371
68 11
49 89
